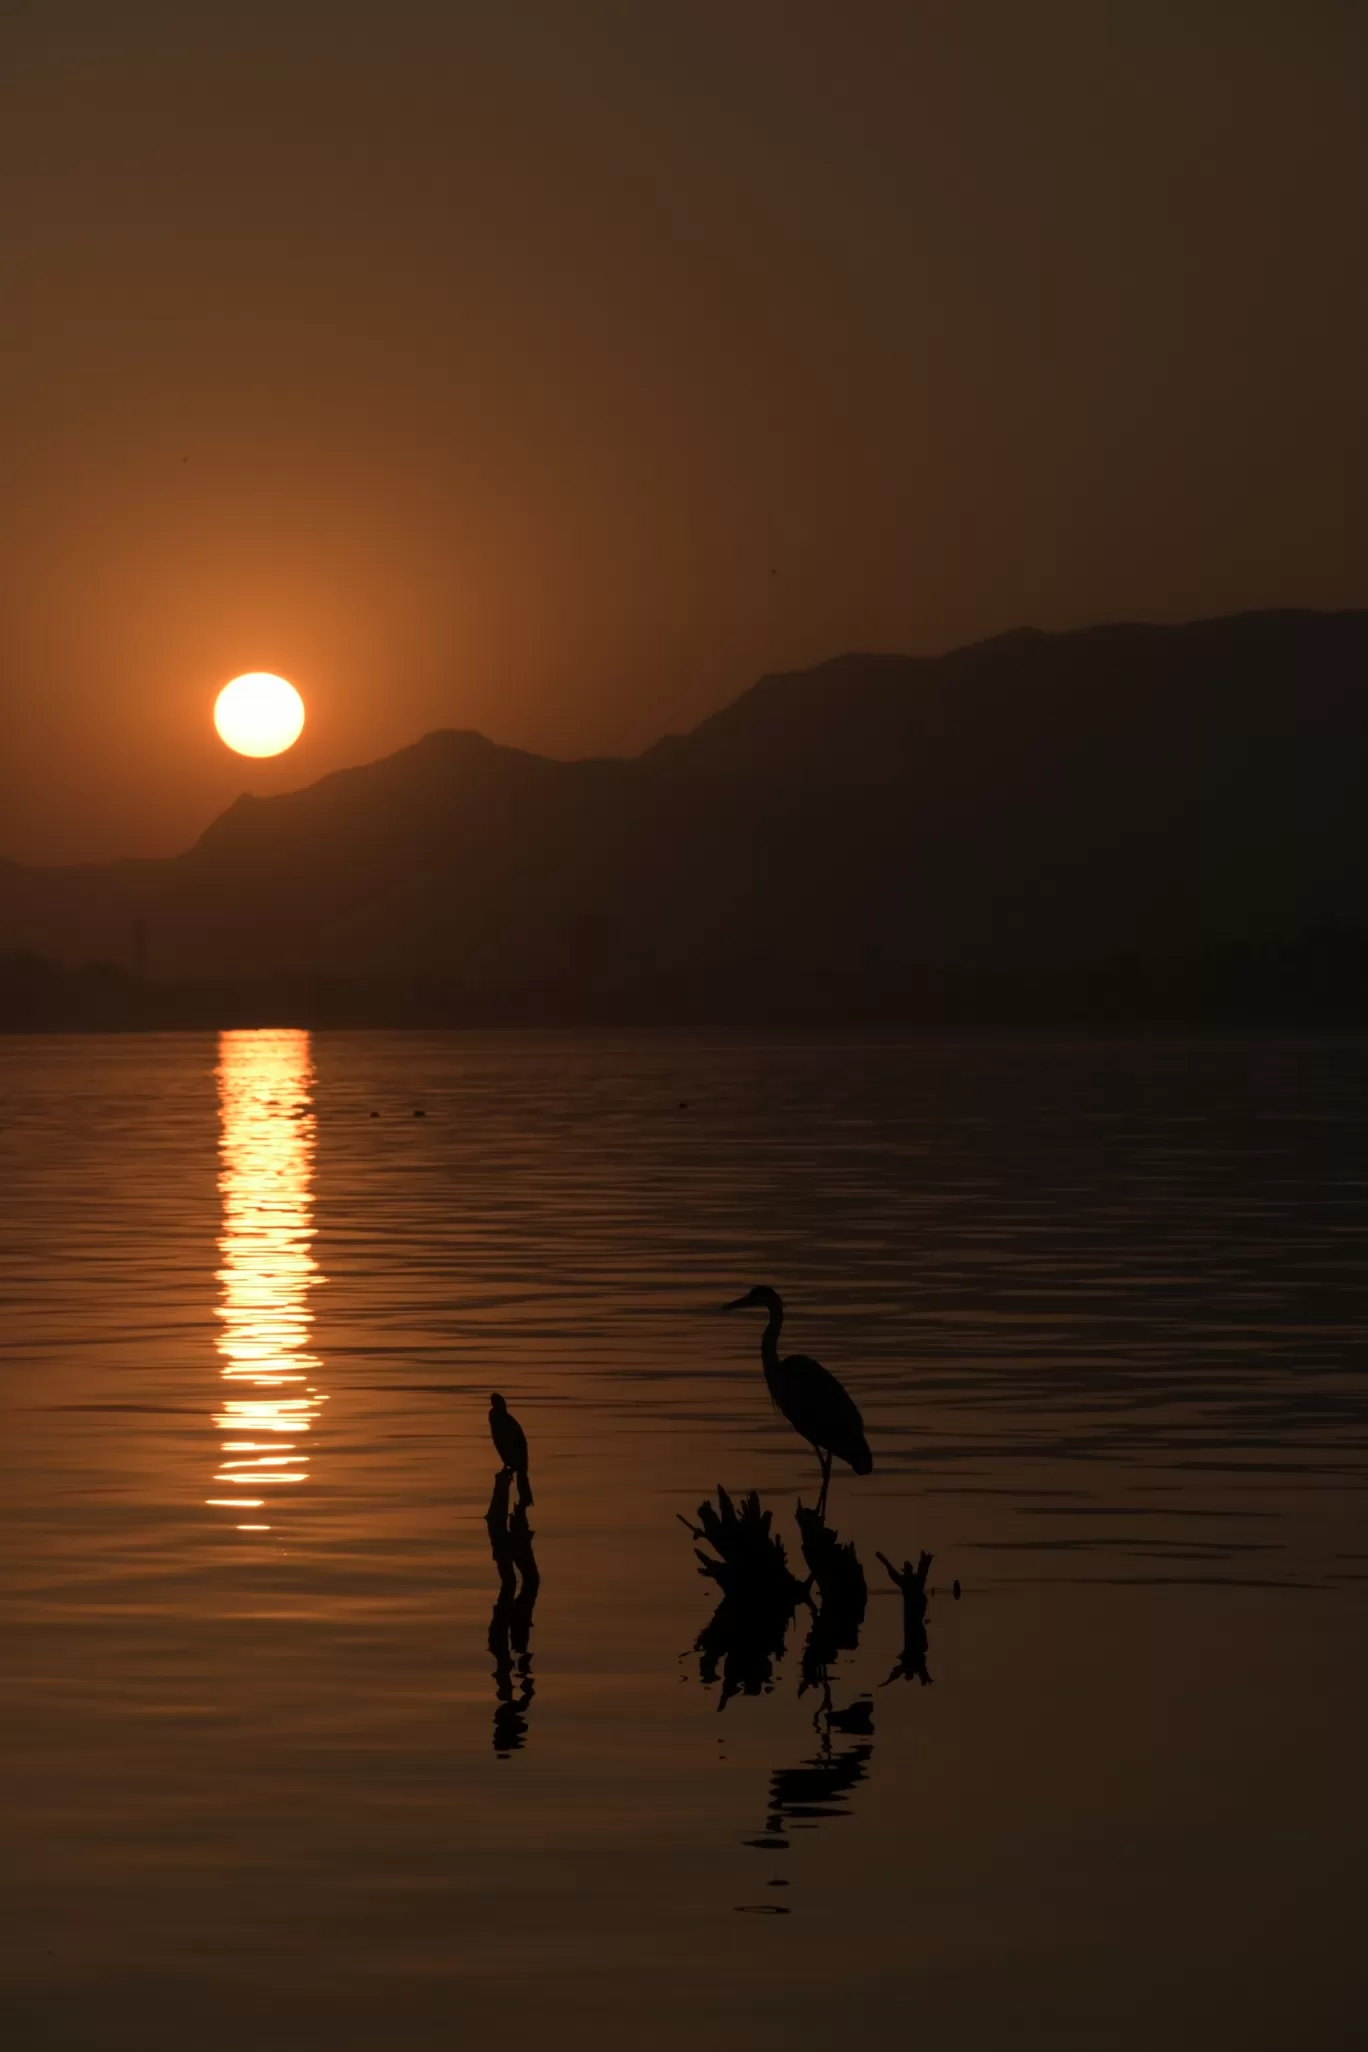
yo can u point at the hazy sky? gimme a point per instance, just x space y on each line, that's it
555 369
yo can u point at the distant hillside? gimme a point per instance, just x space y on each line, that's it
1021 809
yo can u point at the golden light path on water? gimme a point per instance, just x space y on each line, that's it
266 1150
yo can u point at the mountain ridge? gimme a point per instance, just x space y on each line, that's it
1022 804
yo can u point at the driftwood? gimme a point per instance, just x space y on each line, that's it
835 1569
751 1565
760 1594
748 1631
911 1583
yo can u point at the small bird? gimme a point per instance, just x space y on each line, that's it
510 1444
809 1396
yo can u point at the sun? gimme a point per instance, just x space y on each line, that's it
259 714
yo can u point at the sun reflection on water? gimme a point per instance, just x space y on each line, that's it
266 1149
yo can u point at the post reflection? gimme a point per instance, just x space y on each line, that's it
266 1149
510 1623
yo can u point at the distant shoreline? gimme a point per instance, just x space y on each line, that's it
1318 984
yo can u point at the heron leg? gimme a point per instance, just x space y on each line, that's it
825 1460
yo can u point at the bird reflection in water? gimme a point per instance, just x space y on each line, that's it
266 1150
819 1788
510 1623
801 1797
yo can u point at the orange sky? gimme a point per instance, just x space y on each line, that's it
555 370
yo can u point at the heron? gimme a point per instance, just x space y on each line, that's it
510 1444
810 1397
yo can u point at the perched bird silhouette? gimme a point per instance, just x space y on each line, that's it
510 1444
809 1396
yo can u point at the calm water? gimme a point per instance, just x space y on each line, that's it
264 1783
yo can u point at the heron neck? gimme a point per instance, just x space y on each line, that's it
769 1345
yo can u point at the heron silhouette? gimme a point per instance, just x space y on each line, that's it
810 1397
510 1444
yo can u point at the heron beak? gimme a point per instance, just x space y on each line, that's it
739 1304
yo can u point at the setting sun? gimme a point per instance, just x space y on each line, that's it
259 714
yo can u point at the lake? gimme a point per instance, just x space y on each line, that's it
276 1771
